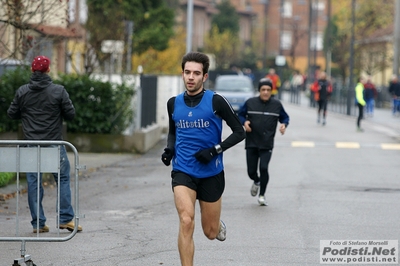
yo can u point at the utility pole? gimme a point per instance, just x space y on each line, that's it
315 19
280 67
189 26
309 75
129 47
281 26
264 62
396 43
328 58
351 63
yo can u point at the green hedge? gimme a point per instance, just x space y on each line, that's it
101 107
6 178
9 83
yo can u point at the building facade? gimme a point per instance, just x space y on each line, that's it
203 12
291 28
35 28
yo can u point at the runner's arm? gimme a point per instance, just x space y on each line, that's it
171 138
223 109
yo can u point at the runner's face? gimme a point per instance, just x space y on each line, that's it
265 92
193 77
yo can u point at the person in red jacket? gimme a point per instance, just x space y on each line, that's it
276 81
322 89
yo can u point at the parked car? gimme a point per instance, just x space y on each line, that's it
10 64
235 88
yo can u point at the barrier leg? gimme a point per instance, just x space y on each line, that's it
25 259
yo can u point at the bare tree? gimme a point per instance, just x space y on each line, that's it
375 59
25 26
297 34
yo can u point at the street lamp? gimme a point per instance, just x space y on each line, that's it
279 57
139 98
189 26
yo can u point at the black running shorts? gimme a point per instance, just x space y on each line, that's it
208 189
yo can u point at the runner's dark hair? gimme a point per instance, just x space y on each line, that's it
198 58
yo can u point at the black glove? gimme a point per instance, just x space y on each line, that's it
206 155
166 157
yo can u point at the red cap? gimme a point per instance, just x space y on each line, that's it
40 63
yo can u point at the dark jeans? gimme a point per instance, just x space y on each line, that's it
369 107
255 157
360 114
66 210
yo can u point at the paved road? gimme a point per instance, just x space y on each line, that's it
322 187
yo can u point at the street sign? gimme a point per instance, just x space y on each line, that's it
280 60
111 46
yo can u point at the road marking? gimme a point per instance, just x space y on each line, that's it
347 145
390 146
339 145
304 144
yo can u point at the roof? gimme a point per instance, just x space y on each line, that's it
55 31
209 7
381 35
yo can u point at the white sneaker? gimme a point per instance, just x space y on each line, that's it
261 201
254 189
222 231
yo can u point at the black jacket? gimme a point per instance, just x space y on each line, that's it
42 106
263 117
394 89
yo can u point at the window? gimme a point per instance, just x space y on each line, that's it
83 10
317 41
286 40
318 6
287 11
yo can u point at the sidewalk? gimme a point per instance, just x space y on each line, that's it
383 119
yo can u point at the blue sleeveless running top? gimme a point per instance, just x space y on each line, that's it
197 128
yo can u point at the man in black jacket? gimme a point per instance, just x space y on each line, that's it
260 116
42 106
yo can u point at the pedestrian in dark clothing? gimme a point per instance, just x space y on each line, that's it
42 106
322 89
370 94
394 90
260 116
195 148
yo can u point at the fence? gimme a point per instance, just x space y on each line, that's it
340 100
36 157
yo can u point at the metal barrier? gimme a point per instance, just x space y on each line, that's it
37 157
